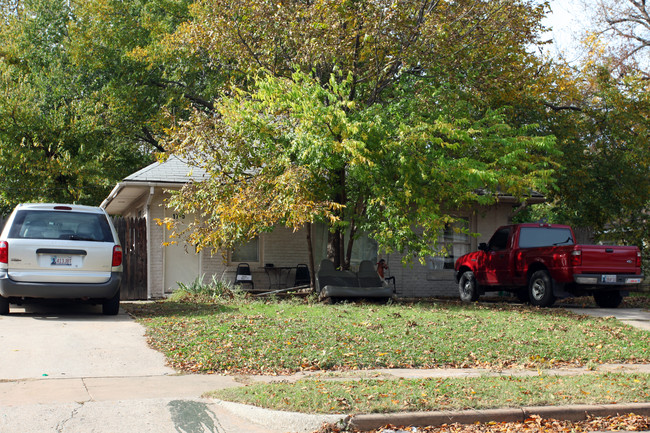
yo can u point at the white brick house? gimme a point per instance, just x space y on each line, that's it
143 194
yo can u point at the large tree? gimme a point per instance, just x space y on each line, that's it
371 116
625 25
600 116
80 104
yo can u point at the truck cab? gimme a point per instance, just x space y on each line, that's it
542 262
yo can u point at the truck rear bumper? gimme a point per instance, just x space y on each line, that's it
608 279
18 289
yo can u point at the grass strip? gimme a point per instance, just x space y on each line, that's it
285 337
387 396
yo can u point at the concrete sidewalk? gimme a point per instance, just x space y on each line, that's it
83 389
97 396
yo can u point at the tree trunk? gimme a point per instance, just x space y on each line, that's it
336 240
334 248
312 267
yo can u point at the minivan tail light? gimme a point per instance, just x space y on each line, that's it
4 252
117 255
576 257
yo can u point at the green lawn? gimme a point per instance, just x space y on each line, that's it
284 337
384 396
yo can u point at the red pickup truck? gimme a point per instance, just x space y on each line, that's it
541 262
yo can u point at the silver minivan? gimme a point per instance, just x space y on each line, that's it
60 251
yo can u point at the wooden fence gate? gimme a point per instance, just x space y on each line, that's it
133 237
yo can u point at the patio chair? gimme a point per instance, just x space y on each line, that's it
368 276
244 276
302 275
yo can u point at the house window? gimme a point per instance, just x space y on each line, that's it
453 243
249 252
364 248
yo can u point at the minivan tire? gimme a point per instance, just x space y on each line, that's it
111 306
4 306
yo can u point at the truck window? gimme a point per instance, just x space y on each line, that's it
499 240
531 237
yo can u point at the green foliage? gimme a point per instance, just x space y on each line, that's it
57 142
201 291
355 114
604 183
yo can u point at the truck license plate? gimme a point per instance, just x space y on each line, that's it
61 261
609 278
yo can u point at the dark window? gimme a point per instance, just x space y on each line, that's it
499 241
531 237
38 224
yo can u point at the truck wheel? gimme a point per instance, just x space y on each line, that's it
523 295
4 306
468 287
540 289
610 299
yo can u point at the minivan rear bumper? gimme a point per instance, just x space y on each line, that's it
18 289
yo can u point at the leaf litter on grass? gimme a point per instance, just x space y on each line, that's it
284 338
534 424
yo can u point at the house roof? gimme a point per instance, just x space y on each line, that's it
170 174
173 170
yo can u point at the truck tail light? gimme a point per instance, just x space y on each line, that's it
117 255
576 257
638 259
4 252
519 262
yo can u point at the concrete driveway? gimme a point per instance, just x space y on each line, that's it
636 317
70 369
74 340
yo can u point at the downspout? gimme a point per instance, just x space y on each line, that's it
148 216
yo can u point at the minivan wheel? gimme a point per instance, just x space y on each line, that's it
111 307
4 306
610 299
468 287
540 289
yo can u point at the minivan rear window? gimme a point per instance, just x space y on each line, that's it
40 224
531 237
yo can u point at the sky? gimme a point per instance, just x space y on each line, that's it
568 20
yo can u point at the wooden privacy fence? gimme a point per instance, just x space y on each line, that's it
133 237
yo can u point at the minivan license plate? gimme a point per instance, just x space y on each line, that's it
61 261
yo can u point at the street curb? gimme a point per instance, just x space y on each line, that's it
421 419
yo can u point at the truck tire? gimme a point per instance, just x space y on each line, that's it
609 299
468 287
4 306
540 289
523 295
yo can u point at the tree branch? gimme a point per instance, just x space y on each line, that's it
562 107
149 138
